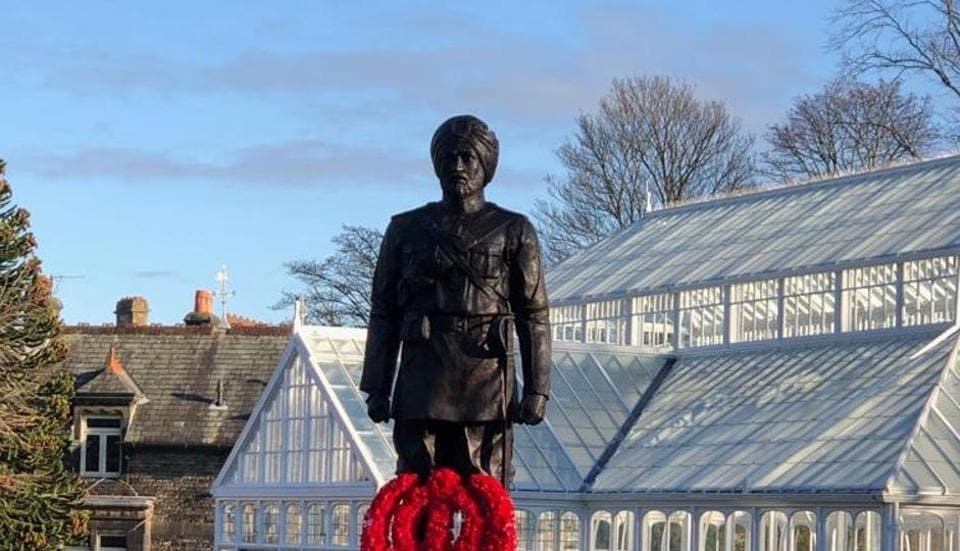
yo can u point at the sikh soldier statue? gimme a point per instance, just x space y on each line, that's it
454 280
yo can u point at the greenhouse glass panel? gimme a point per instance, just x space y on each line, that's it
870 297
229 523
803 527
701 317
546 531
251 459
809 304
361 515
667 533
294 523
319 431
652 323
569 531
773 531
605 322
293 450
930 290
567 322
623 531
340 361
840 532
296 438
600 527
867 535
273 448
316 524
522 519
753 311
249 520
297 388
713 531
739 530
921 531
340 524
271 523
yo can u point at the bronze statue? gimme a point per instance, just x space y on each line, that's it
453 280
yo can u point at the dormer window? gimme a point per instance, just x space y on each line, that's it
101 447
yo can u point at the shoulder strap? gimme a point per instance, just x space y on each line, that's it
459 256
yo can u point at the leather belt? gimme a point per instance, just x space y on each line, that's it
459 324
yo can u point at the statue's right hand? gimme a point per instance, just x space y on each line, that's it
378 409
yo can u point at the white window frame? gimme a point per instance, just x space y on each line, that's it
702 317
102 432
754 310
653 323
567 323
235 524
809 301
866 297
922 277
605 322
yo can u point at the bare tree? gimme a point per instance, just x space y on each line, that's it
918 36
651 143
849 125
337 289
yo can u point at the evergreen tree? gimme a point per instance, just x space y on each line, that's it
38 495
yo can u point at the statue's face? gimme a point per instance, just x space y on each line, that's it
461 172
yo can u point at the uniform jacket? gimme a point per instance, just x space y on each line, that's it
457 362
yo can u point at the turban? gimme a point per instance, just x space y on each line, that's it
469 130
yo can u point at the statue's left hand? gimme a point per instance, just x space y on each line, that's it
532 409
378 409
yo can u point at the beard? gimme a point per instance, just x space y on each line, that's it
463 187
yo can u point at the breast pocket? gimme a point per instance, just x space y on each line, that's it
489 260
418 274
419 260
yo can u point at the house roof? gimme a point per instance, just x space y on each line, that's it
876 216
177 369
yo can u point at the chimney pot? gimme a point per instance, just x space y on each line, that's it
202 313
203 302
132 312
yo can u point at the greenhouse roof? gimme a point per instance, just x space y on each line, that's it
872 413
875 216
592 395
862 413
338 356
844 415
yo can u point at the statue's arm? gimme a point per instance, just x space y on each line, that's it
383 329
531 310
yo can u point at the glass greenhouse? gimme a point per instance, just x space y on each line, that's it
770 372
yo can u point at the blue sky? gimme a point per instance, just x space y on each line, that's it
153 142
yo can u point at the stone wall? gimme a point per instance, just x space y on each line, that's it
179 479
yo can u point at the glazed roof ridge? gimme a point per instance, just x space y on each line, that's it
841 178
904 212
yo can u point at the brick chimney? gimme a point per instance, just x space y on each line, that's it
202 310
132 312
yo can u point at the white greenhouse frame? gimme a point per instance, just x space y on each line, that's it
590 508
680 296
826 418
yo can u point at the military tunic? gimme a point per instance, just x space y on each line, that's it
449 287
451 368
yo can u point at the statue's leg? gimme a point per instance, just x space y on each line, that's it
416 447
491 449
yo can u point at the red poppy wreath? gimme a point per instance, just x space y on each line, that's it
408 516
